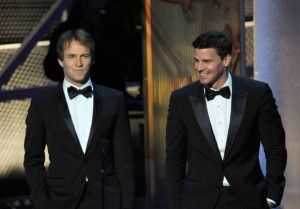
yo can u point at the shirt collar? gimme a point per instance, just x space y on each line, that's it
67 84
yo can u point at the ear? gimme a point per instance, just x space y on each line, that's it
227 60
60 62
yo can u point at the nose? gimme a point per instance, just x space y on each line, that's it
78 62
199 66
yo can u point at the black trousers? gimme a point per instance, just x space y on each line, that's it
228 199
92 200
86 200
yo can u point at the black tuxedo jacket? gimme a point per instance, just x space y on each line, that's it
49 123
194 167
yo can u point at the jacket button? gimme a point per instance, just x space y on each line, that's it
82 180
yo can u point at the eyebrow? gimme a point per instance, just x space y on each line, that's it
84 54
202 59
207 59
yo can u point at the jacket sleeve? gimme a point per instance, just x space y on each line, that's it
34 151
273 140
175 154
124 164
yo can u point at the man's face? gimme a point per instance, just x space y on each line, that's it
210 68
76 63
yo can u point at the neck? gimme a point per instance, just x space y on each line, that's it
221 81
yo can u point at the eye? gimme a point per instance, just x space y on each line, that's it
70 56
86 56
207 61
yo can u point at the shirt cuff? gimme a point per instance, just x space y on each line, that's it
272 201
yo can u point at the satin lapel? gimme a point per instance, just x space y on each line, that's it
97 110
64 111
200 110
239 98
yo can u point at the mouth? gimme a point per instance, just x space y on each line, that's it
201 73
78 70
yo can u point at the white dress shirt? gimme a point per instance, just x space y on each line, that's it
219 110
81 110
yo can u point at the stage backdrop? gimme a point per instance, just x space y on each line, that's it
170 28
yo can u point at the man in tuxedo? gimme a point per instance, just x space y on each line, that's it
86 130
214 131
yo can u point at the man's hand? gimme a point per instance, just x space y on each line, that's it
271 205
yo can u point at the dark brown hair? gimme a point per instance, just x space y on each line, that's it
216 40
74 35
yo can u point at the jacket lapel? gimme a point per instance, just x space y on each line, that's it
239 98
64 111
198 102
97 110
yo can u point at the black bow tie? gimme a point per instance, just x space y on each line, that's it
210 94
73 92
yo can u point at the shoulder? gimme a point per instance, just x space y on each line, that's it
43 100
249 84
48 94
256 90
186 90
107 91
